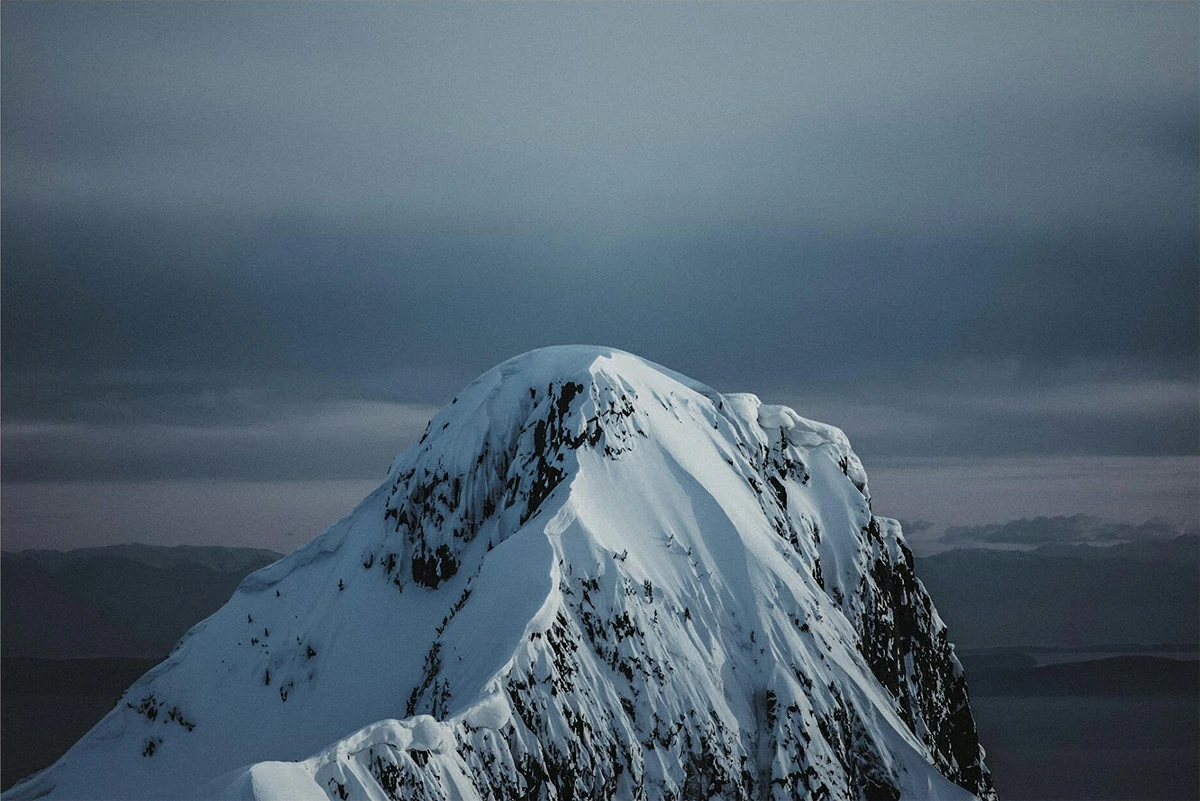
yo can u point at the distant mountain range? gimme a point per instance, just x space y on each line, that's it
1069 595
1113 676
117 601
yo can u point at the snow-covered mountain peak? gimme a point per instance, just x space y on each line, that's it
591 578
513 435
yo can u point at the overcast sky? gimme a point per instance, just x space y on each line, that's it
260 242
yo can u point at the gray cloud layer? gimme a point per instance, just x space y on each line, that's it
1065 530
951 229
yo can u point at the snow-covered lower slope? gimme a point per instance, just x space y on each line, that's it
592 578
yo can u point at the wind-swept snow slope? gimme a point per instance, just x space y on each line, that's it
592 578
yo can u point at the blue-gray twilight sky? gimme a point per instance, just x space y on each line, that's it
249 247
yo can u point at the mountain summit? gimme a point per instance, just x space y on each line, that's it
592 578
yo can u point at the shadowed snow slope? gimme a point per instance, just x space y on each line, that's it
591 578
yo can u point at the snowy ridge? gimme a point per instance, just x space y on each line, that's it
592 578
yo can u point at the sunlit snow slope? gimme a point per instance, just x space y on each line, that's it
592 578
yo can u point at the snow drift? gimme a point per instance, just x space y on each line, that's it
591 578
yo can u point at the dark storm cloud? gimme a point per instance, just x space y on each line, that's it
1063 530
1012 410
344 439
949 229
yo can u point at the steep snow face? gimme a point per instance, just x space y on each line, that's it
592 578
